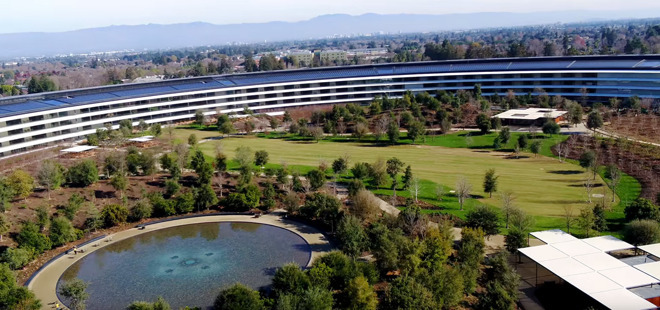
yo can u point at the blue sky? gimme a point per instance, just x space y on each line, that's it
63 15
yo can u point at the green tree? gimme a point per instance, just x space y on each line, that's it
43 218
535 147
490 182
50 175
586 220
483 123
393 132
394 166
17 258
113 215
501 285
551 128
243 156
260 158
594 121
351 236
470 255
360 170
61 232
192 139
6 195
407 294
641 232
199 117
5 225
407 177
360 295
340 165
522 142
14 296
119 182
588 160
221 162
75 291
316 179
600 223
141 210
238 297
159 304
83 173
21 183
642 209
290 279
485 218
416 130
156 129
504 135
30 237
205 197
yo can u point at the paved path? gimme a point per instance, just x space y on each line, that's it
44 283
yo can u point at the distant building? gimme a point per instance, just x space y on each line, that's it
530 116
329 56
366 51
302 57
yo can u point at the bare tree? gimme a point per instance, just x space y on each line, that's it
380 127
341 127
365 206
463 189
439 192
560 150
614 174
589 187
507 206
415 187
568 217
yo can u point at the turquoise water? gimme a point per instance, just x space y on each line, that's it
187 265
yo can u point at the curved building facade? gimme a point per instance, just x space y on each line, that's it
34 121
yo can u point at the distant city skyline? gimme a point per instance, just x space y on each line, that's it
66 15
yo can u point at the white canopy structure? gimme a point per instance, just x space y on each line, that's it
553 236
79 149
653 249
585 264
142 139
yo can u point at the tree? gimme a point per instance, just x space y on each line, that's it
407 177
613 174
641 232
159 304
243 156
14 296
502 283
360 131
415 187
600 223
199 117
470 255
6 194
587 160
360 170
225 126
360 295
17 258
290 279
340 165
551 128
156 129
260 158
61 232
205 197
483 123
5 225
238 297
463 189
378 173
141 210
113 215
416 130
192 140
316 179
351 236
504 135
119 182
586 220
394 166
642 209
568 217
83 173
594 121
522 142
515 239
484 217
50 175
43 218
21 183
393 132
406 293
490 182
365 205
30 237
535 147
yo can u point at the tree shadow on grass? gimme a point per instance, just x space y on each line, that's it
516 157
565 172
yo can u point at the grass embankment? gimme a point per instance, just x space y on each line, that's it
541 184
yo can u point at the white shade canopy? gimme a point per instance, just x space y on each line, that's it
79 149
653 249
652 269
628 277
608 243
553 236
622 299
600 261
542 253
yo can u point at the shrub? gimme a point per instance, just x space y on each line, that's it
185 203
17 258
21 183
141 210
161 207
114 214
29 237
82 174
641 232
171 188
238 297
236 202
62 232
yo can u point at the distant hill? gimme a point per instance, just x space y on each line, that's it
155 36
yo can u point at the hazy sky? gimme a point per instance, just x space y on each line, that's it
62 15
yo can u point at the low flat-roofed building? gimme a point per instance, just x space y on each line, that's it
530 116
328 56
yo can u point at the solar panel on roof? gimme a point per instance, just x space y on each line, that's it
198 85
528 65
87 98
144 91
623 64
25 106
226 82
53 102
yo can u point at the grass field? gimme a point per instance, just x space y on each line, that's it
542 185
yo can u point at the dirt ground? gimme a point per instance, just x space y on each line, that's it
640 127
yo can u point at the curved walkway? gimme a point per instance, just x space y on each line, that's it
44 282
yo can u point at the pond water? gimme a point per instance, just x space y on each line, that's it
187 265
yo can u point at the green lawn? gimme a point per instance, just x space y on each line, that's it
542 185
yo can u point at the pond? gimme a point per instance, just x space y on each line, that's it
187 265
